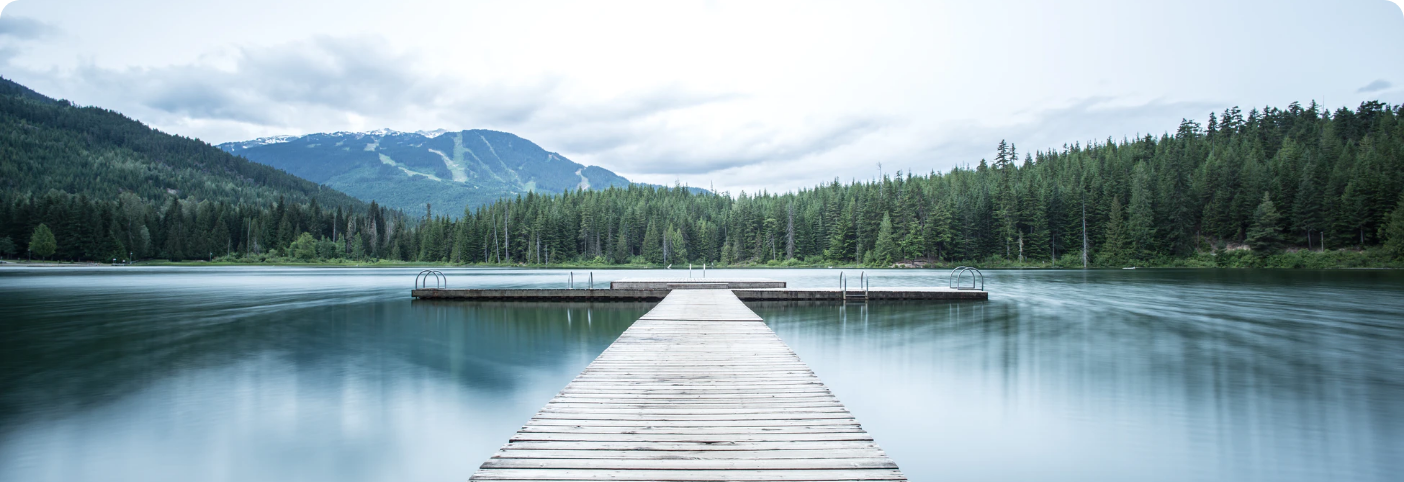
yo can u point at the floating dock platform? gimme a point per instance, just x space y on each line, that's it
698 389
744 289
694 283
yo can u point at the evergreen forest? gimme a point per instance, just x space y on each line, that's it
92 185
1299 186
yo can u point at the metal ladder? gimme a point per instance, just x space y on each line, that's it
854 295
421 280
958 276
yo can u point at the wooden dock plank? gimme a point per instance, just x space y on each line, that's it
690 423
691 446
660 292
699 389
703 463
834 453
688 475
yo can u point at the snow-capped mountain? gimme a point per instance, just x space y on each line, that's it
408 170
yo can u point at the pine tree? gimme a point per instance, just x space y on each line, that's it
841 244
1140 227
653 244
1367 199
790 231
886 247
1001 155
174 234
1114 247
621 249
913 244
1252 183
358 247
1265 236
1307 215
677 246
42 242
939 229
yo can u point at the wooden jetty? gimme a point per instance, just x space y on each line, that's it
698 389
693 283
760 294
745 289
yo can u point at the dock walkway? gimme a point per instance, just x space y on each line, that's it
746 294
698 389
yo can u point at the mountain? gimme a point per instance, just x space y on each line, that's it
407 170
91 184
52 145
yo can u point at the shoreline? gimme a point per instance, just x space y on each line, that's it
427 265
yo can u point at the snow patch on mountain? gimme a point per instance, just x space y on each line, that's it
263 141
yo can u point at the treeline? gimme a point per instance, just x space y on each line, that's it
1298 178
1239 187
131 227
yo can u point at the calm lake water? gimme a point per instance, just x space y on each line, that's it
280 374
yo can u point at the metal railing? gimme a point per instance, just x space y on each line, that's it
864 283
570 283
421 280
958 275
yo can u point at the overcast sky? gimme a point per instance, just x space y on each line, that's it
741 95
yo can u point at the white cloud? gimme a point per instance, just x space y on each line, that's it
749 95
17 33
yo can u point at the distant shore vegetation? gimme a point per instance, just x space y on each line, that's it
1298 187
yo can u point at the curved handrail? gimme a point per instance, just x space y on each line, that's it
421 280
958 274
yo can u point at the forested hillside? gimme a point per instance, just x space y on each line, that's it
1276 187
1229 193
105 186
49 144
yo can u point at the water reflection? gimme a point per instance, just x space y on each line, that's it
194 377
334 374
1102 376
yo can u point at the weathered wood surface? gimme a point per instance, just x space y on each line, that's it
699 389
538 294
745 294
693 283
873 294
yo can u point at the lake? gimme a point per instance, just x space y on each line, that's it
335 374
